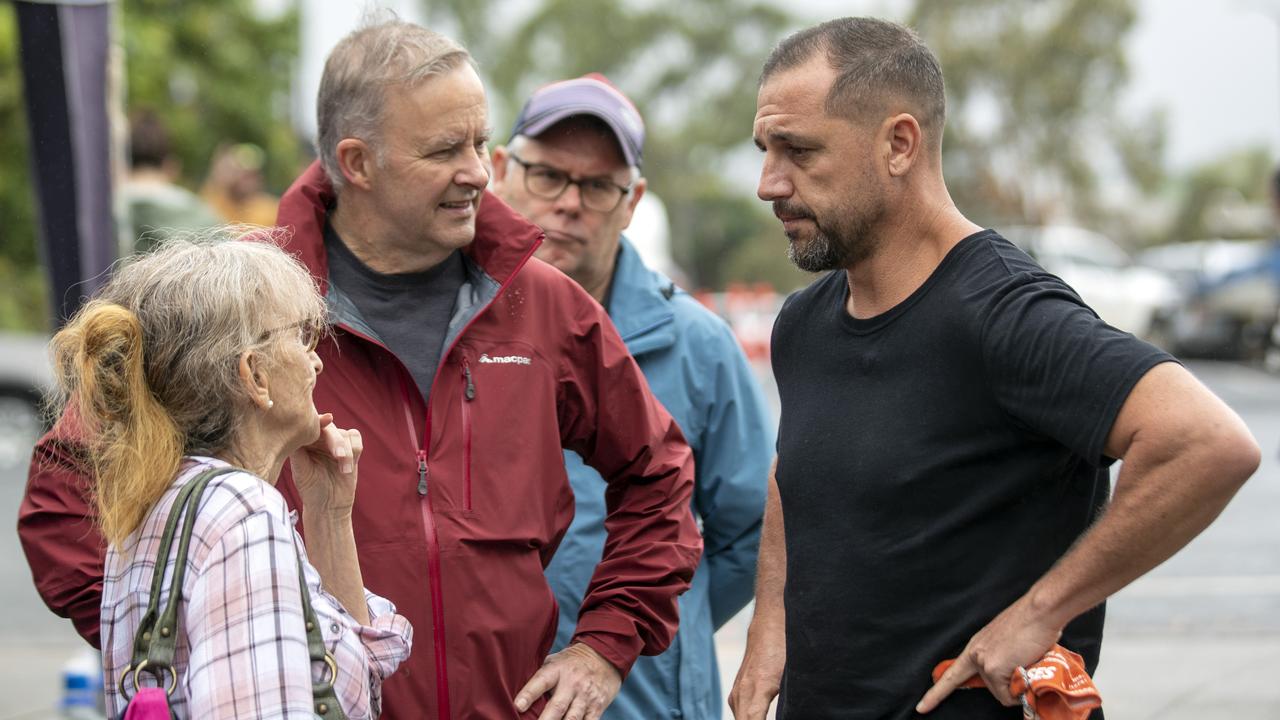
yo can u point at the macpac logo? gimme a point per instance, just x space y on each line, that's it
506 359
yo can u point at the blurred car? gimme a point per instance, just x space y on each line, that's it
1137 299
25 379
1231 291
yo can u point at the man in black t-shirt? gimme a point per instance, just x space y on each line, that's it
949 411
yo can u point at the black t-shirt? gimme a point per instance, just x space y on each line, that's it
933 462
410 312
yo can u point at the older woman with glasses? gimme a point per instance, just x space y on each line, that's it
193 368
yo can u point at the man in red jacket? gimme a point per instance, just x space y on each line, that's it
468 365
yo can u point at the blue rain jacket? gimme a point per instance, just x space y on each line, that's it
697 370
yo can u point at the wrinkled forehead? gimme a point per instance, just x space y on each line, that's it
800 91
451 107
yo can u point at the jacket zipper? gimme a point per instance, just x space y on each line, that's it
429 527
433 556
469 394
428 515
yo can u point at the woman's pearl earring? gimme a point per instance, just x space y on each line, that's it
271 404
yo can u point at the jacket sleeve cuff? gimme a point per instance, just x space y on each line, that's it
88 625
602 635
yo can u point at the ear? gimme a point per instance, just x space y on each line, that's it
253 378
500 156
905 141
357 161
637 192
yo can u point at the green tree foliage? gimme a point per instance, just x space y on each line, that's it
690 65
22 300
212 69
1033 124
1213 199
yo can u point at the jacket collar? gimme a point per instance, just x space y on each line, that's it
503 241
640 302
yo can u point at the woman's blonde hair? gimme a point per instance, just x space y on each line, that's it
150 366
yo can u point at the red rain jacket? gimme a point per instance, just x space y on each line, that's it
462 503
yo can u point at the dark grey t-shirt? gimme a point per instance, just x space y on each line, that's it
410 312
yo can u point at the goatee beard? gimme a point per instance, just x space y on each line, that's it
829 250
817 254
843 243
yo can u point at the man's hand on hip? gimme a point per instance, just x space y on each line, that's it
1018 637
581 683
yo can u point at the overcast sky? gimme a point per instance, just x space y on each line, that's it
1216 67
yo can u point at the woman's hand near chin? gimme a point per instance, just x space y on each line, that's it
324 471
325 474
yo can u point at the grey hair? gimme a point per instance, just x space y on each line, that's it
358 73
202 299
875 61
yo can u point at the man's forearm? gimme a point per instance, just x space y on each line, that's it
1160 504
771 568
760 675
1185 454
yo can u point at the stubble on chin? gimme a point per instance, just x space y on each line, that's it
835 247
816 253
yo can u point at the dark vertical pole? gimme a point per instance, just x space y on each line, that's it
64 68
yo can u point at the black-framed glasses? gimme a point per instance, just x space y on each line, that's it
598 193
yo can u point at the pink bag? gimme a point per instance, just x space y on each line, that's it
150 703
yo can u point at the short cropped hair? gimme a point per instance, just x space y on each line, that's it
360 70
876 61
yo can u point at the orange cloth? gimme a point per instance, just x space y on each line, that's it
1060 689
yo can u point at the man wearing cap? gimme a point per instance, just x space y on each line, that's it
572 166
469 365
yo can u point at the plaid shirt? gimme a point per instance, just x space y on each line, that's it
243 649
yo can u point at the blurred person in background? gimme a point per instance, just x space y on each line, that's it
572 166
949 413
155 204
200 356
468 365
234 185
